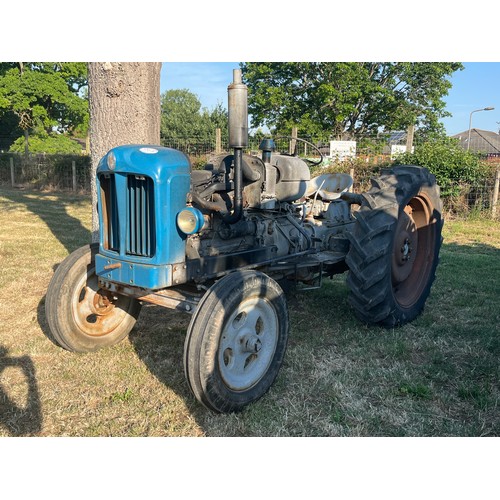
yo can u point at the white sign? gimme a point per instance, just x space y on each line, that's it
397 149
342 149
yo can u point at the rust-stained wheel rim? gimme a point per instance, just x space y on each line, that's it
413 250
94 310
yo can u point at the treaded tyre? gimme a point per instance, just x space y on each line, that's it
81 316
395 246
236 341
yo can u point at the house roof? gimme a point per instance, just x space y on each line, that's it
483 141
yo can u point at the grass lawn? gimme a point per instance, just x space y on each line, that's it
438 376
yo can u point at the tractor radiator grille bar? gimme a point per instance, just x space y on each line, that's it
111 228
140 239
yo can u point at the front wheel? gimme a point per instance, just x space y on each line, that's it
82 317
395 246
236 341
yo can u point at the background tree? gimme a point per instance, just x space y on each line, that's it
344 99
180 114
124 103
46 99
182 117
213 119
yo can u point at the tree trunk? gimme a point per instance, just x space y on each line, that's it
124 101
26 142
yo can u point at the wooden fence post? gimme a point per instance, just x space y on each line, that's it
12 178
291 147
495 194
218 141
73 169
351 173
409 138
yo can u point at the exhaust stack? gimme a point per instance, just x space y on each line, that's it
237 94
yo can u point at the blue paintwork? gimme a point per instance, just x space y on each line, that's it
169 170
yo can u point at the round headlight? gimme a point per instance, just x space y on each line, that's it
111 160
190 220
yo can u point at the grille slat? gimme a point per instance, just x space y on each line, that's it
111 230
144 241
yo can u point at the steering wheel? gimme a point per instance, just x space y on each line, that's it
311 162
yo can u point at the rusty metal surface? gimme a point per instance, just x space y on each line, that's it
96 311
170 298
413 250
116 265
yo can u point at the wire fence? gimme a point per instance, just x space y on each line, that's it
72 172
382 144
46 171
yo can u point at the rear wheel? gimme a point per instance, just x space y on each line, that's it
395 246
82 317
236 341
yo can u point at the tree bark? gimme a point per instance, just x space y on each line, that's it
124 102
26 142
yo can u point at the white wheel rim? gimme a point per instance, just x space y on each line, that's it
248 343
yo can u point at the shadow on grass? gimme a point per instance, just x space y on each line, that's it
42 320
68 230
20 420
186 357
158 340
472 249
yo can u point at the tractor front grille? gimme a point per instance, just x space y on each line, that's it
136 205
140 240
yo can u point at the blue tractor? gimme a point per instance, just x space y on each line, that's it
221 243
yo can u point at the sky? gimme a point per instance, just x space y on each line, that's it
477 86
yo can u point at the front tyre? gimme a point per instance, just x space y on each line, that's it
81 316
236 341
395 246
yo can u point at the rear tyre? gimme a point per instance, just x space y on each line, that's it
236 341
81 316
395 246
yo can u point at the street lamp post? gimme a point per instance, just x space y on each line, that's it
489 108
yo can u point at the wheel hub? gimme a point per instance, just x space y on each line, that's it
406 250
101 303
405 247
251 343
248 343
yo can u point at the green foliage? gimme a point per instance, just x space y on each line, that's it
44 97
420 391
45 143
182 117
180 113
347 98
478 395
448 161
122 397
215 118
